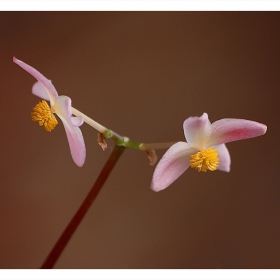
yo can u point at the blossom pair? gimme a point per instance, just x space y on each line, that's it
204 150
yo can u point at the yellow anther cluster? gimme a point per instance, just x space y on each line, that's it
42 114
204 160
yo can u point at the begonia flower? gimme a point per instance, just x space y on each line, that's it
60 105
205 148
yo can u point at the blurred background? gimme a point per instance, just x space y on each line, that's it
141 74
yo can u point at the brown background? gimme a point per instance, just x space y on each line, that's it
141 74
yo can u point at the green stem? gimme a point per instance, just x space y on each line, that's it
155 146
120 140
78 217
126 142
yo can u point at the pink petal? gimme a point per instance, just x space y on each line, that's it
224 157
42 79
75 138
39 90
76 142
229 130
197 130
77 121
174 162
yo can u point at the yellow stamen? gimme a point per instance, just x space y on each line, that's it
42 114
205 159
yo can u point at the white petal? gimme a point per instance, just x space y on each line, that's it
39 90
62 106
174 162
77 121
197 131
224 157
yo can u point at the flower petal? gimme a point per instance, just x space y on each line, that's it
62 108
77 121
197 131
76 142
39 90
42 79
224 157
229 130
174 162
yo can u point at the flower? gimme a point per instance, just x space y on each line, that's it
205 148
60 105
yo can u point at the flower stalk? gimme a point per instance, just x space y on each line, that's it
118 139
82 211
102 129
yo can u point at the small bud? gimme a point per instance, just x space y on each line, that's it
151 156
101 141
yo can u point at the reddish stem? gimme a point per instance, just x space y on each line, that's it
78 217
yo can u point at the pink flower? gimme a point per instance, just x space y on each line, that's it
61 105
205 148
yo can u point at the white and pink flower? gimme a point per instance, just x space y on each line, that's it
205 148
60 105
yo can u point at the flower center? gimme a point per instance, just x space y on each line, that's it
42 113
205 159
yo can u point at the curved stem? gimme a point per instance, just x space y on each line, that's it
78 217
121 140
